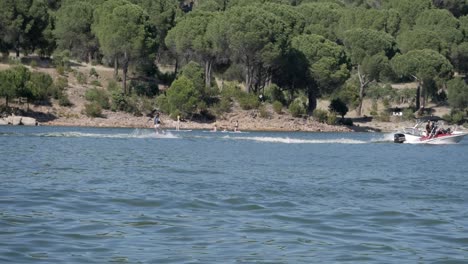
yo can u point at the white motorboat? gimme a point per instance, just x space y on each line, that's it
437 135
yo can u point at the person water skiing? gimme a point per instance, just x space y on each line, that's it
157 123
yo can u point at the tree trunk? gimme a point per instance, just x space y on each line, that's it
208 67
125 70
361 99
362 87
418 97
248 79
116 68
312 96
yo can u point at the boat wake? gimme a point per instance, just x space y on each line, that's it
287 140
137 133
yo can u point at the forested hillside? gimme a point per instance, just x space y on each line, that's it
197 58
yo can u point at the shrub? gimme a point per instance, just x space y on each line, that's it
277 107
297 109
248 101
223 106
41 85
263 112
144 88
183 96
33 64
320 115
99 96
230 91
331 118
273 93
96 83
384 116
455 117
408 114
113 86
338 106
63 100
93 110
81 78
93 72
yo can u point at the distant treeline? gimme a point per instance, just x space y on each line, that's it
289 51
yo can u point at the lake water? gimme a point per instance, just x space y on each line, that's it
90 195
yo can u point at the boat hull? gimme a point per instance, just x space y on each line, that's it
439 140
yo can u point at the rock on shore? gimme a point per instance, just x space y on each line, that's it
18 120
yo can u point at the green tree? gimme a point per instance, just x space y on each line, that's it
40 86
123 32
419 39
338 106
189 40
422 65
321 18
23 22
326 64
386 20
456 7
457 93
459 57
13 83
183 97
73 30
442 22
408 10
163 15
255 39
369 50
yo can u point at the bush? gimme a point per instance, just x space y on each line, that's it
33 64
63 100
331 118
96 83
144 88
93 72
263 112
338 106
277 107
223 106
455 117
81 78
408 114
320 115
297 109
40 85
93 110
230 91
183 97
248 101
113 86
273 93
384 116
99 96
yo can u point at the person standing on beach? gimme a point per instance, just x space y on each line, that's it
236 126
178 123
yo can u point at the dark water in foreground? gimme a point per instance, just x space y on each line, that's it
82 195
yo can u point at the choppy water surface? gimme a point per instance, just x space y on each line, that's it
83 195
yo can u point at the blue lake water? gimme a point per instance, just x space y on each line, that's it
90 195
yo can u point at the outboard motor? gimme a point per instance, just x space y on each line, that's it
399 138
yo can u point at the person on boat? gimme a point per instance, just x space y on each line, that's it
428 128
